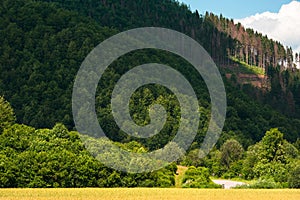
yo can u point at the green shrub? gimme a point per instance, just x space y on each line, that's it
198 178
272 170
262 184
294 178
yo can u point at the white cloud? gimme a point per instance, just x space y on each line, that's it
283 26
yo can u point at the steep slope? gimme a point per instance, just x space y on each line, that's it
226 41
42 47
44 43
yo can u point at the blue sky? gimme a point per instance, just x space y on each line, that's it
235 9
279 19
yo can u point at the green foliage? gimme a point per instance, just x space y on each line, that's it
44 42
274 170
235 170
192 159
42 45
261 184
198 178
290 150
250 161
57 158
248 69
272 147
294 177
231 151
297 144
272 158
226 162
7 116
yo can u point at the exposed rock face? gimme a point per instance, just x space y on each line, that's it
257 80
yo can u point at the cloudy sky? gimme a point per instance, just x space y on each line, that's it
279 19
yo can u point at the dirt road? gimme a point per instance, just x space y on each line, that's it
227 184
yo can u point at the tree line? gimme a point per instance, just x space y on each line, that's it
58 158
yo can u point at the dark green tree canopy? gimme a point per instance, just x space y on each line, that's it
7 116
44 42
231 151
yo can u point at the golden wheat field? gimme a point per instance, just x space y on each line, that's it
147 194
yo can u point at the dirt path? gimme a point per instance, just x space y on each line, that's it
182 169
228 184
179 175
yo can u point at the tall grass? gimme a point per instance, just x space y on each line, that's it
248 69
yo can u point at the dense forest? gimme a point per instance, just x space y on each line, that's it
43 44
58 158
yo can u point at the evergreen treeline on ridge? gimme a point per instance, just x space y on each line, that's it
219 36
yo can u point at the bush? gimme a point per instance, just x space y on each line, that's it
271 170
294 178
198 178
228 175
262 184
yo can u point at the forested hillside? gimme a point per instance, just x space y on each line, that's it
43 45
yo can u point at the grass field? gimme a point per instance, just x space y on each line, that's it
248 69
147 194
